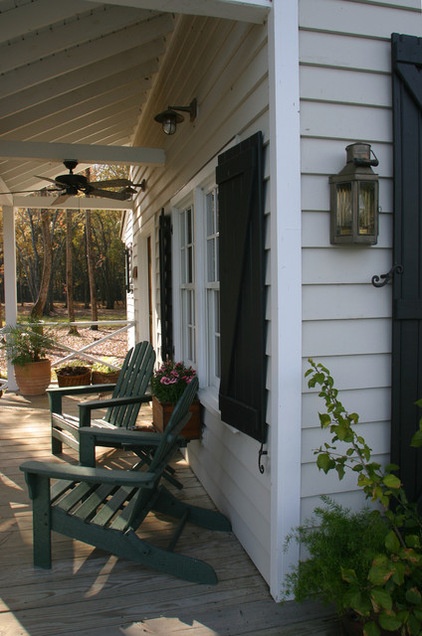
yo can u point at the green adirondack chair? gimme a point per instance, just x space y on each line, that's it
128 394
105 508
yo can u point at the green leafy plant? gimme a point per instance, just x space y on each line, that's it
26 342
337 540
106 365
170 380
378 578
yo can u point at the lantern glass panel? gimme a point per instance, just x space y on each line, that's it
366 220
344 225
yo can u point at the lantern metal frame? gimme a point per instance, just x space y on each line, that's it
354 198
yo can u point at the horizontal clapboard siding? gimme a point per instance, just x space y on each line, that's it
345 75
224 65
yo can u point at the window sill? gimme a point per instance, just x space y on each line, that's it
209 400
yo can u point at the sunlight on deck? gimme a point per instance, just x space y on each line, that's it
92 593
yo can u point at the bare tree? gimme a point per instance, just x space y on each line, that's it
69 272
91 269
39 306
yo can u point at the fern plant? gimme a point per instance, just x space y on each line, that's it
26 342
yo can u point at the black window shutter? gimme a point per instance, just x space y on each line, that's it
407 287
166 287
240 182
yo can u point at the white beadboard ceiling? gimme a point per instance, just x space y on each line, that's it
75 75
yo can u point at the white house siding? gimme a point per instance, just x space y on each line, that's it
224 65
345 85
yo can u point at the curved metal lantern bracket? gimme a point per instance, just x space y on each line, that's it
384 279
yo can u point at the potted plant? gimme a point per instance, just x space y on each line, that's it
106 371
26 346
167 384
369 563
73 373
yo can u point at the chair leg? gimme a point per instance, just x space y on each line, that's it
56 446
146 458
182 566
86 450
166 503
41 522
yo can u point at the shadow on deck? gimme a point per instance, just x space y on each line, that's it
89 592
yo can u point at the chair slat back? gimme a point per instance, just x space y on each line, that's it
177 421
133 380
163 454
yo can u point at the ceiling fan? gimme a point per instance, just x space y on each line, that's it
71 184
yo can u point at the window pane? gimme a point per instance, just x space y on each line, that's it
212 237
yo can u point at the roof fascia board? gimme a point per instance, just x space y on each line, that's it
254 11
84 153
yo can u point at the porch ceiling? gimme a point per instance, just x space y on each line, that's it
73 72
80 72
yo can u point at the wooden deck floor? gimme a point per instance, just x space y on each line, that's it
88 592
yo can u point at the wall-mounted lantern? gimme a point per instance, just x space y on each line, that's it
354 198
170 118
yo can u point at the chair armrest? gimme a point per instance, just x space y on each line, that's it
86 388
85 408
54 470
121 436
56 395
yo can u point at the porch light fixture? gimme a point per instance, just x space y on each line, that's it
354 198
170 118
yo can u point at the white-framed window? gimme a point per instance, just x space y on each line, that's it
187 284
196 285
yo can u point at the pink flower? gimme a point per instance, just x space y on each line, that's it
165 380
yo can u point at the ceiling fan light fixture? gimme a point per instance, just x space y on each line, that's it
170 118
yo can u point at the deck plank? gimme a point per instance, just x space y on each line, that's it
88 592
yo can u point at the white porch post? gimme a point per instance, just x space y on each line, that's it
286 317
10 296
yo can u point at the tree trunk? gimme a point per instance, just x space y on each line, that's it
39 306
91 269
69 272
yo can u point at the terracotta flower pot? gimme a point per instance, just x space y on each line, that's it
33 378
161 414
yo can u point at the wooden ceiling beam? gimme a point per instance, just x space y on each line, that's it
84 153
38 15
96 51
59 37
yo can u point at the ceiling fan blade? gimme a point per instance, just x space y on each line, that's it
118 183
40 191
111 183
60 199
21 192
48 179
123 195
